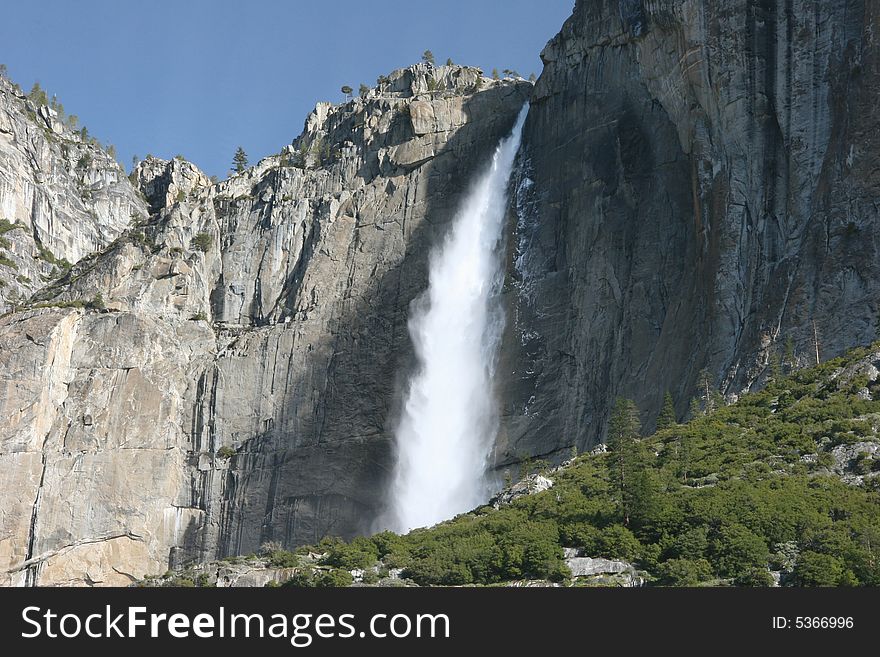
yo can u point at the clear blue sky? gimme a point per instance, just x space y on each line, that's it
199 77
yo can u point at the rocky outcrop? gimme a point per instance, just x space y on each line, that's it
697 189
597 571
232 381
528 485
62 197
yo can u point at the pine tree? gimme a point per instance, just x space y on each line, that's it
695 410
37 95
625 459
788 355
449 61
711 398
428 57
775 366
363 90
495 75
684 442
239 160
666 418
532 77
346 91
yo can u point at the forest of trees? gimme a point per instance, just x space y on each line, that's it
735 494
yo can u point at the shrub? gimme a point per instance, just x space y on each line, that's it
226 452
691 543
736 550
6 226
282 559
202 242
684 572
333 578
360 553
320 579
758 577
97 302
817 569
618 542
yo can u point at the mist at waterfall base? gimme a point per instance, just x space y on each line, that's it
449 419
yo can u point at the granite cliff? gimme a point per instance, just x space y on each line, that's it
220 365
235 383
697 191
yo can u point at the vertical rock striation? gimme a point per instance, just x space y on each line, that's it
62 197
697 189
238 385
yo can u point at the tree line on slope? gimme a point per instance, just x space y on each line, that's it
730 497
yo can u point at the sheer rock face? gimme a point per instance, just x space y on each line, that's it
697 188
62 196
238 386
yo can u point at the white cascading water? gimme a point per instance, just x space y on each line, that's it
449 419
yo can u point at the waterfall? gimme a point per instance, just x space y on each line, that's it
449 420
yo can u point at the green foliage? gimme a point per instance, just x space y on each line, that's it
818 569
736 549
226 452
706 500
6 226
239 160
363 90
202 242
320 579
37 96
667 417
84 162
756 576
6 262
97 302
684 572
428 57
626 458
495 75
346 90
279 558
360 553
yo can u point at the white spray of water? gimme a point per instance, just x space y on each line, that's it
449 420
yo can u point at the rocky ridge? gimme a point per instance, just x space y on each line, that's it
62 197
235 383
